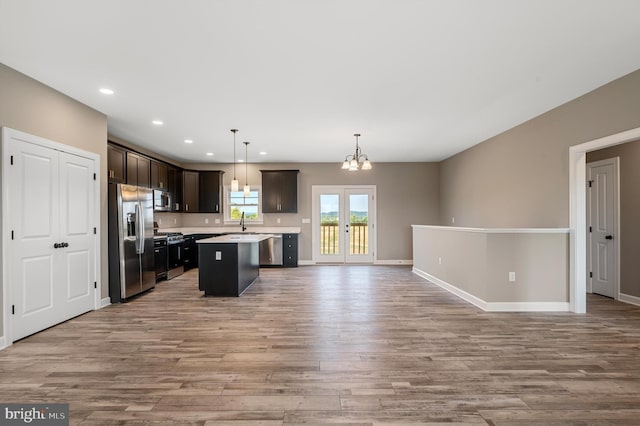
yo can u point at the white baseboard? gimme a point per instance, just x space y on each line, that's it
3 343
627 298
105 302
452 289
495 306
528 307
306 262
394 262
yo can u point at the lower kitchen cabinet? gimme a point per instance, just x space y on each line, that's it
290 250
190 252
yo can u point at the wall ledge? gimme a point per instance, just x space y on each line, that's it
498 230
495 306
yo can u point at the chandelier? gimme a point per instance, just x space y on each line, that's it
358 160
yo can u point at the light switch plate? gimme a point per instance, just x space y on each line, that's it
306 220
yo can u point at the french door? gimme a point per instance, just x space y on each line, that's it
344 224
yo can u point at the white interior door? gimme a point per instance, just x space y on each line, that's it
602 227
344 224
51 251
77 258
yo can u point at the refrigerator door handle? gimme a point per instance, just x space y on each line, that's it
139 239
142 228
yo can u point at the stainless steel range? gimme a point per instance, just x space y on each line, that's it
175 259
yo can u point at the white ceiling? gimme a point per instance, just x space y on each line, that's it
420 79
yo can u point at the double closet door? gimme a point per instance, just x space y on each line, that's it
51 246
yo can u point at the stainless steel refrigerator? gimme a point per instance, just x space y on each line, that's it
131 256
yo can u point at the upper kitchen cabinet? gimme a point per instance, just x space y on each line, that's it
138 170
211 191
116 164
174 177
159 177
279 191
190 191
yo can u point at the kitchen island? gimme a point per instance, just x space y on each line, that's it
228 264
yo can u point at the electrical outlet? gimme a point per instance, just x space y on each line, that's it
217 221
439 261
306 220
278 220
175 221
453 219
512 277
206 220
159 221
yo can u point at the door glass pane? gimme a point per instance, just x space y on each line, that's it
329 224
358 224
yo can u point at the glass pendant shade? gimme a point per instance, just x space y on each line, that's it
234 185
247 190
366 165
345 165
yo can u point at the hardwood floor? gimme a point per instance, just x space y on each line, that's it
331 344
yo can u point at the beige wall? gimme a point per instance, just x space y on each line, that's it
629 154
520 178
407 193
32 107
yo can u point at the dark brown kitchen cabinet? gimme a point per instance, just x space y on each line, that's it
210 192
190 191
279 191
290 250
174 178
138 170
159 178
116 164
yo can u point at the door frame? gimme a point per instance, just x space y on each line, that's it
6 135
373 229
578 214
615 162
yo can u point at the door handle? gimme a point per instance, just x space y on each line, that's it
56 245
609 237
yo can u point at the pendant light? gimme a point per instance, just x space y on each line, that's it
234 182
247 189
352 161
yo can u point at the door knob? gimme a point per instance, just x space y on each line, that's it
56 245
609 237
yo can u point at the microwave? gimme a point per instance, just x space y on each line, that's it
161 201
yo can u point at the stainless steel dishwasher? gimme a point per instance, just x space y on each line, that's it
271 251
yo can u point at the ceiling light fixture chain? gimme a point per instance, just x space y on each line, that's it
234 182
247 188
358 160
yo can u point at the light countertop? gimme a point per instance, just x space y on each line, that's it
234 230
236 238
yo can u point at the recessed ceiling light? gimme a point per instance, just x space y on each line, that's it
157 122
106 91
209 154
263 153
188 141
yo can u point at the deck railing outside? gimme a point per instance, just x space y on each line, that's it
358 238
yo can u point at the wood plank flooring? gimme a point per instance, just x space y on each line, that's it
331 344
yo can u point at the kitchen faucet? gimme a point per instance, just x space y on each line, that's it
244 228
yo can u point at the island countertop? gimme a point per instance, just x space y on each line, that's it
235 238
